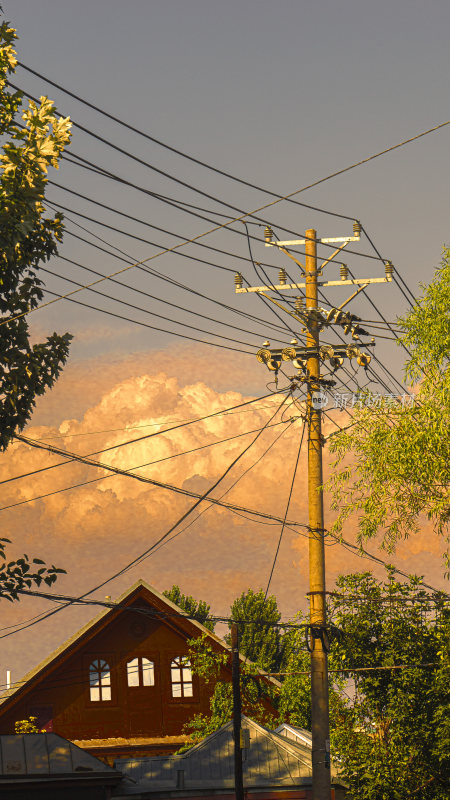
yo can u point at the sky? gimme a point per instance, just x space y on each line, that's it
280 96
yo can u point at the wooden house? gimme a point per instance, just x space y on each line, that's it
123 684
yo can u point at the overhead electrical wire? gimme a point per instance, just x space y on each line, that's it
209 166
166 535
159 299
238 479
248 469
129 469
175 203
154 314
140 290
143 438
294 474
237 219
142 324
180 520
132 427
154 482
57 206
172 149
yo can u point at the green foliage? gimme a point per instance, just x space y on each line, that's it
26 726
267 647
401 456
208 663
391 732
27 238
260 639
197 609
294 704
19 575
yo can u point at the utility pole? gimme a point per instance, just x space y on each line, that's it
308 360
237 712
317 609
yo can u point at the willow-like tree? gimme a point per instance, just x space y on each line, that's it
391 731
32 138
399 467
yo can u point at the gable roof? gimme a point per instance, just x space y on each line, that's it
170 613
295 734
33 754
270 760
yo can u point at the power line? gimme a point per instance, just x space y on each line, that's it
160 484
247 214
56 206
360 669
145 437
240 477
130 469
286 512
248 469
142 291
199 500
136 322
173 149
152 313
132 427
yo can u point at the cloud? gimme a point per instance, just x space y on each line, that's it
97 529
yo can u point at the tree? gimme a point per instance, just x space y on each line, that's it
260 637
197 609
268 648
400 467
208 662
391 732
27 238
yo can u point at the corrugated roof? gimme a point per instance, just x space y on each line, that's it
34 754
269 760
296 734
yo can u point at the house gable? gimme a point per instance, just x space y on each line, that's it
121 676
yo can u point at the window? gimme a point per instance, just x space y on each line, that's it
99 681
140 672
181 675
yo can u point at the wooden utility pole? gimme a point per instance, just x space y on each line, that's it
237 711
319 659
308 361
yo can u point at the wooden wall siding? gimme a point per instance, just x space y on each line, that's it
57 691
132 711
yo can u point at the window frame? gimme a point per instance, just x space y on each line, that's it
172 665
139 657
88 660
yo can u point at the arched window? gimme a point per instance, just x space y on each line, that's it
140 672
181 676
99 680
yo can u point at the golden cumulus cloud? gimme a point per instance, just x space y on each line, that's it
96 529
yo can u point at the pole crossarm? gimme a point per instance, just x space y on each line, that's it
281 287
329 240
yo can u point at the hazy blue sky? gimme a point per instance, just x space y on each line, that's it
280 94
